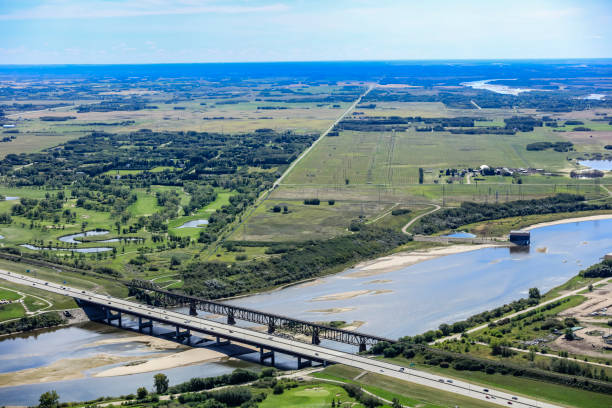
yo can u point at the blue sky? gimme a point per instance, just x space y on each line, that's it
157 31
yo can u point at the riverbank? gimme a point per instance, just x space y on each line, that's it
406 258
569 220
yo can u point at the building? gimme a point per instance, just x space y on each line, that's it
520 237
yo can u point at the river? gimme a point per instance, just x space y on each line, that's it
406 301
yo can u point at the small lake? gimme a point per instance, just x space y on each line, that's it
79 250
194 224
500 89
7 198
602 165
595 97
71 238
460 234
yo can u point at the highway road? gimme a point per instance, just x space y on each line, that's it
315 352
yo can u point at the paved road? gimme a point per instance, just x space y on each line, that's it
198 324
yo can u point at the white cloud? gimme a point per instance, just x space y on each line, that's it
69 9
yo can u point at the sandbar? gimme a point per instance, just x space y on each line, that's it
403 259
188 357
332 310
154 343
569 220
341 296
61 370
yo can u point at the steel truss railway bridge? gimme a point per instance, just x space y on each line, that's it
274 322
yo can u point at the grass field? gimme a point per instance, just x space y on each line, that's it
393 158
11 311
318 395
408 393
304 222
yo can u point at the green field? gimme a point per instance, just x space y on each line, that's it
318 395
393 158
11 311
304 222
408 393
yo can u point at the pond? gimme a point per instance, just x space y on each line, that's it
79 250
460 234
194 224
7 198
602 165
71 238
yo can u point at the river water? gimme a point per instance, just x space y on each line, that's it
393 304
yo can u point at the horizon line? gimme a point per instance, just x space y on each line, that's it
315 61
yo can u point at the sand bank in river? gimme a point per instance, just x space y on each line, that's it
570 220
403 259
60 370
332 310
154 343
192 356
349 295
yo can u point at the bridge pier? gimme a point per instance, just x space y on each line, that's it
263 356
315 336
192 309
230 318
271 326
110 317
142 325
362 347
303 364
182 335
222 342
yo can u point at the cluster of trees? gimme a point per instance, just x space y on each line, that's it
56 118
556 146
214 280
238 376
40 321
111 106
355 391
468 212
600 270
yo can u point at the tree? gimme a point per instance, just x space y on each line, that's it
591 287
278 389
141 393
569 334
534 293
161 383
420 175
396 403
49 399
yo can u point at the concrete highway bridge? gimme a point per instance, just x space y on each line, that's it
184 324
